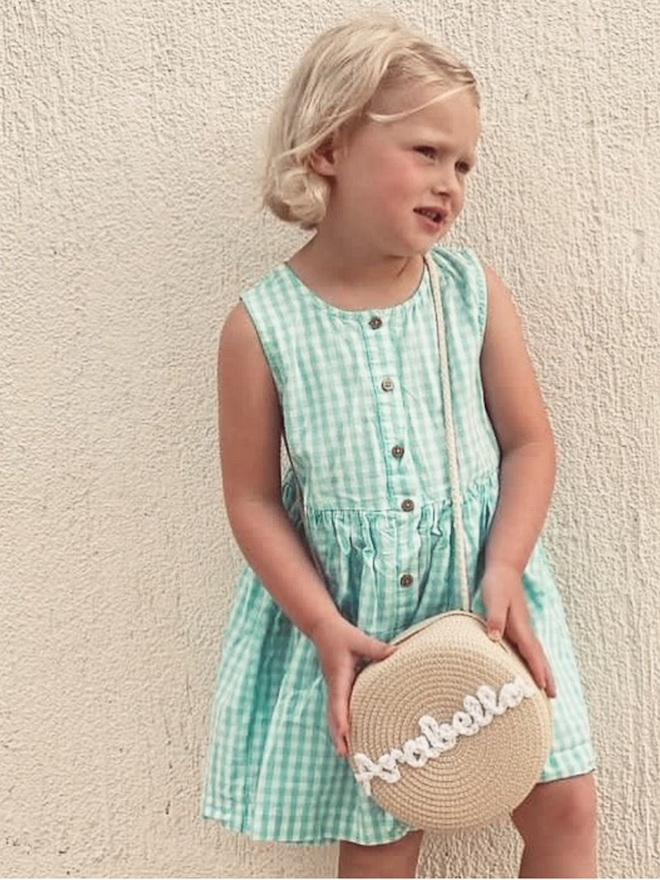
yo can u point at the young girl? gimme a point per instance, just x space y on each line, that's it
336 351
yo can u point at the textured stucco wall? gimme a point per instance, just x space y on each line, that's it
128 224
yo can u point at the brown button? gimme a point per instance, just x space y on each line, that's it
408 505
387 385
406 580
397 451
375 323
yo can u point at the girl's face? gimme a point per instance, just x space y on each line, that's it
397 187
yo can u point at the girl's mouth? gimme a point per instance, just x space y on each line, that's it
432 214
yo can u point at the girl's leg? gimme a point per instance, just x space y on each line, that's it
557 822
397 859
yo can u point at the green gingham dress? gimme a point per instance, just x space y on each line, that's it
362 405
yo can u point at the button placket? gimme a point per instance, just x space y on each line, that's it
402 482
405 582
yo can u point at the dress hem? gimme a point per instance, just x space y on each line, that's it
239 828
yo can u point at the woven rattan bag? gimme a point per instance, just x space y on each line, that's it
449 732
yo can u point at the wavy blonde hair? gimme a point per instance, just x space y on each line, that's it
333 88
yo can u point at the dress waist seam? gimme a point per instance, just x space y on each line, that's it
473 489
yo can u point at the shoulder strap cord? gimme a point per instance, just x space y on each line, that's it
450 435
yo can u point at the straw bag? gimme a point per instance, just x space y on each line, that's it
449 732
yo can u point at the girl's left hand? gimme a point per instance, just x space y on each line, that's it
507 615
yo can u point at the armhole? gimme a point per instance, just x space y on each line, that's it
482 293
466 264
265 341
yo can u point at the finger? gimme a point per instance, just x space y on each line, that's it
529 647
339 690
338 734
531 651
551 687
339 742
374 649
497 613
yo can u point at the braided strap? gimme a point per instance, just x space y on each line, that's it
450 434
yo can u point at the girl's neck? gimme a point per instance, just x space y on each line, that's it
353 277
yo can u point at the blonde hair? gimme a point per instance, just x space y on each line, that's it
332 89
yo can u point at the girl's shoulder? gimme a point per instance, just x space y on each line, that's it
275 310
461 264
464 279
269 285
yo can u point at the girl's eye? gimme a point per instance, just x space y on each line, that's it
429 152
463 167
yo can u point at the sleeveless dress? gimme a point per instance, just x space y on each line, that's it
362 405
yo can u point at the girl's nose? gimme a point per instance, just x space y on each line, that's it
445 183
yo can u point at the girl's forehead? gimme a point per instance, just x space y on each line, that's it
408 99
403 97
424 104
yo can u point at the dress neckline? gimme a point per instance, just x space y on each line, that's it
324 305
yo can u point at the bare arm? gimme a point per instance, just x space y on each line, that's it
250 431
527 473
523 432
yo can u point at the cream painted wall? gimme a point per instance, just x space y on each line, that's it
129 223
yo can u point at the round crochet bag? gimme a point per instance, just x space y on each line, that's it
449 732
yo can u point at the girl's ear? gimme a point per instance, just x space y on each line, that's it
324 158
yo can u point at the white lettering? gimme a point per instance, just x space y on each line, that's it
478 712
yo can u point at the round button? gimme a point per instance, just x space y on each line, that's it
397 451
406 580
375 323
407 505
387 385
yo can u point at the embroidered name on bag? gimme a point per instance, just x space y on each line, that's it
478 712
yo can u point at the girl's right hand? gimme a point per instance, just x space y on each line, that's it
342 650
